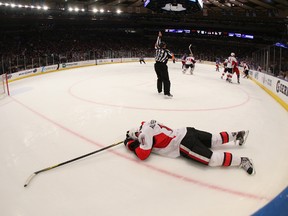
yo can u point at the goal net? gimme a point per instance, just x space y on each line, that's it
4 90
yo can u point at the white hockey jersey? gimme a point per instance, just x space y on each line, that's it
190 60
158 138
231 62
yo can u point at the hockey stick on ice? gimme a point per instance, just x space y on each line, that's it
69 161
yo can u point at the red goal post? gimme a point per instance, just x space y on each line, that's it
4 87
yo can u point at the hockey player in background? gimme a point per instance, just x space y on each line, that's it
246 70
217 65
141 60
232 66
187 142
225 70
236 70
189 62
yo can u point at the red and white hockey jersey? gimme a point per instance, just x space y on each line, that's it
231 62
157 138
190 60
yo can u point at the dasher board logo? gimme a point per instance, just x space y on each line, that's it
49 68
64 65
27 72
267 80
281 87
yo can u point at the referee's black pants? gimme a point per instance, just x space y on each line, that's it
161 70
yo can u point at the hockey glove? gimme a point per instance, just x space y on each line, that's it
131 144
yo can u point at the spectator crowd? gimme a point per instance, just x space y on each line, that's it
24 49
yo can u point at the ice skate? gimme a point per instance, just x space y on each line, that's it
241 137
168 96
228 80
247 165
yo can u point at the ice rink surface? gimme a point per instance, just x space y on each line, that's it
59 116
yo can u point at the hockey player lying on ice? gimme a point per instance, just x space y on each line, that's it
187 142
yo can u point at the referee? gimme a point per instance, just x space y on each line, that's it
161 69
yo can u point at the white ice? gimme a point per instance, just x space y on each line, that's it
59 116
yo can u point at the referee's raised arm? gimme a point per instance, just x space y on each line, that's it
157 44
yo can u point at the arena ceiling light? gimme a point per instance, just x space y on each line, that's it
13 5
45 8
76 9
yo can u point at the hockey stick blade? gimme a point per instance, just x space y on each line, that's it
29 179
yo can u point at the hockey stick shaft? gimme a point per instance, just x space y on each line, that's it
190 49
69 161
